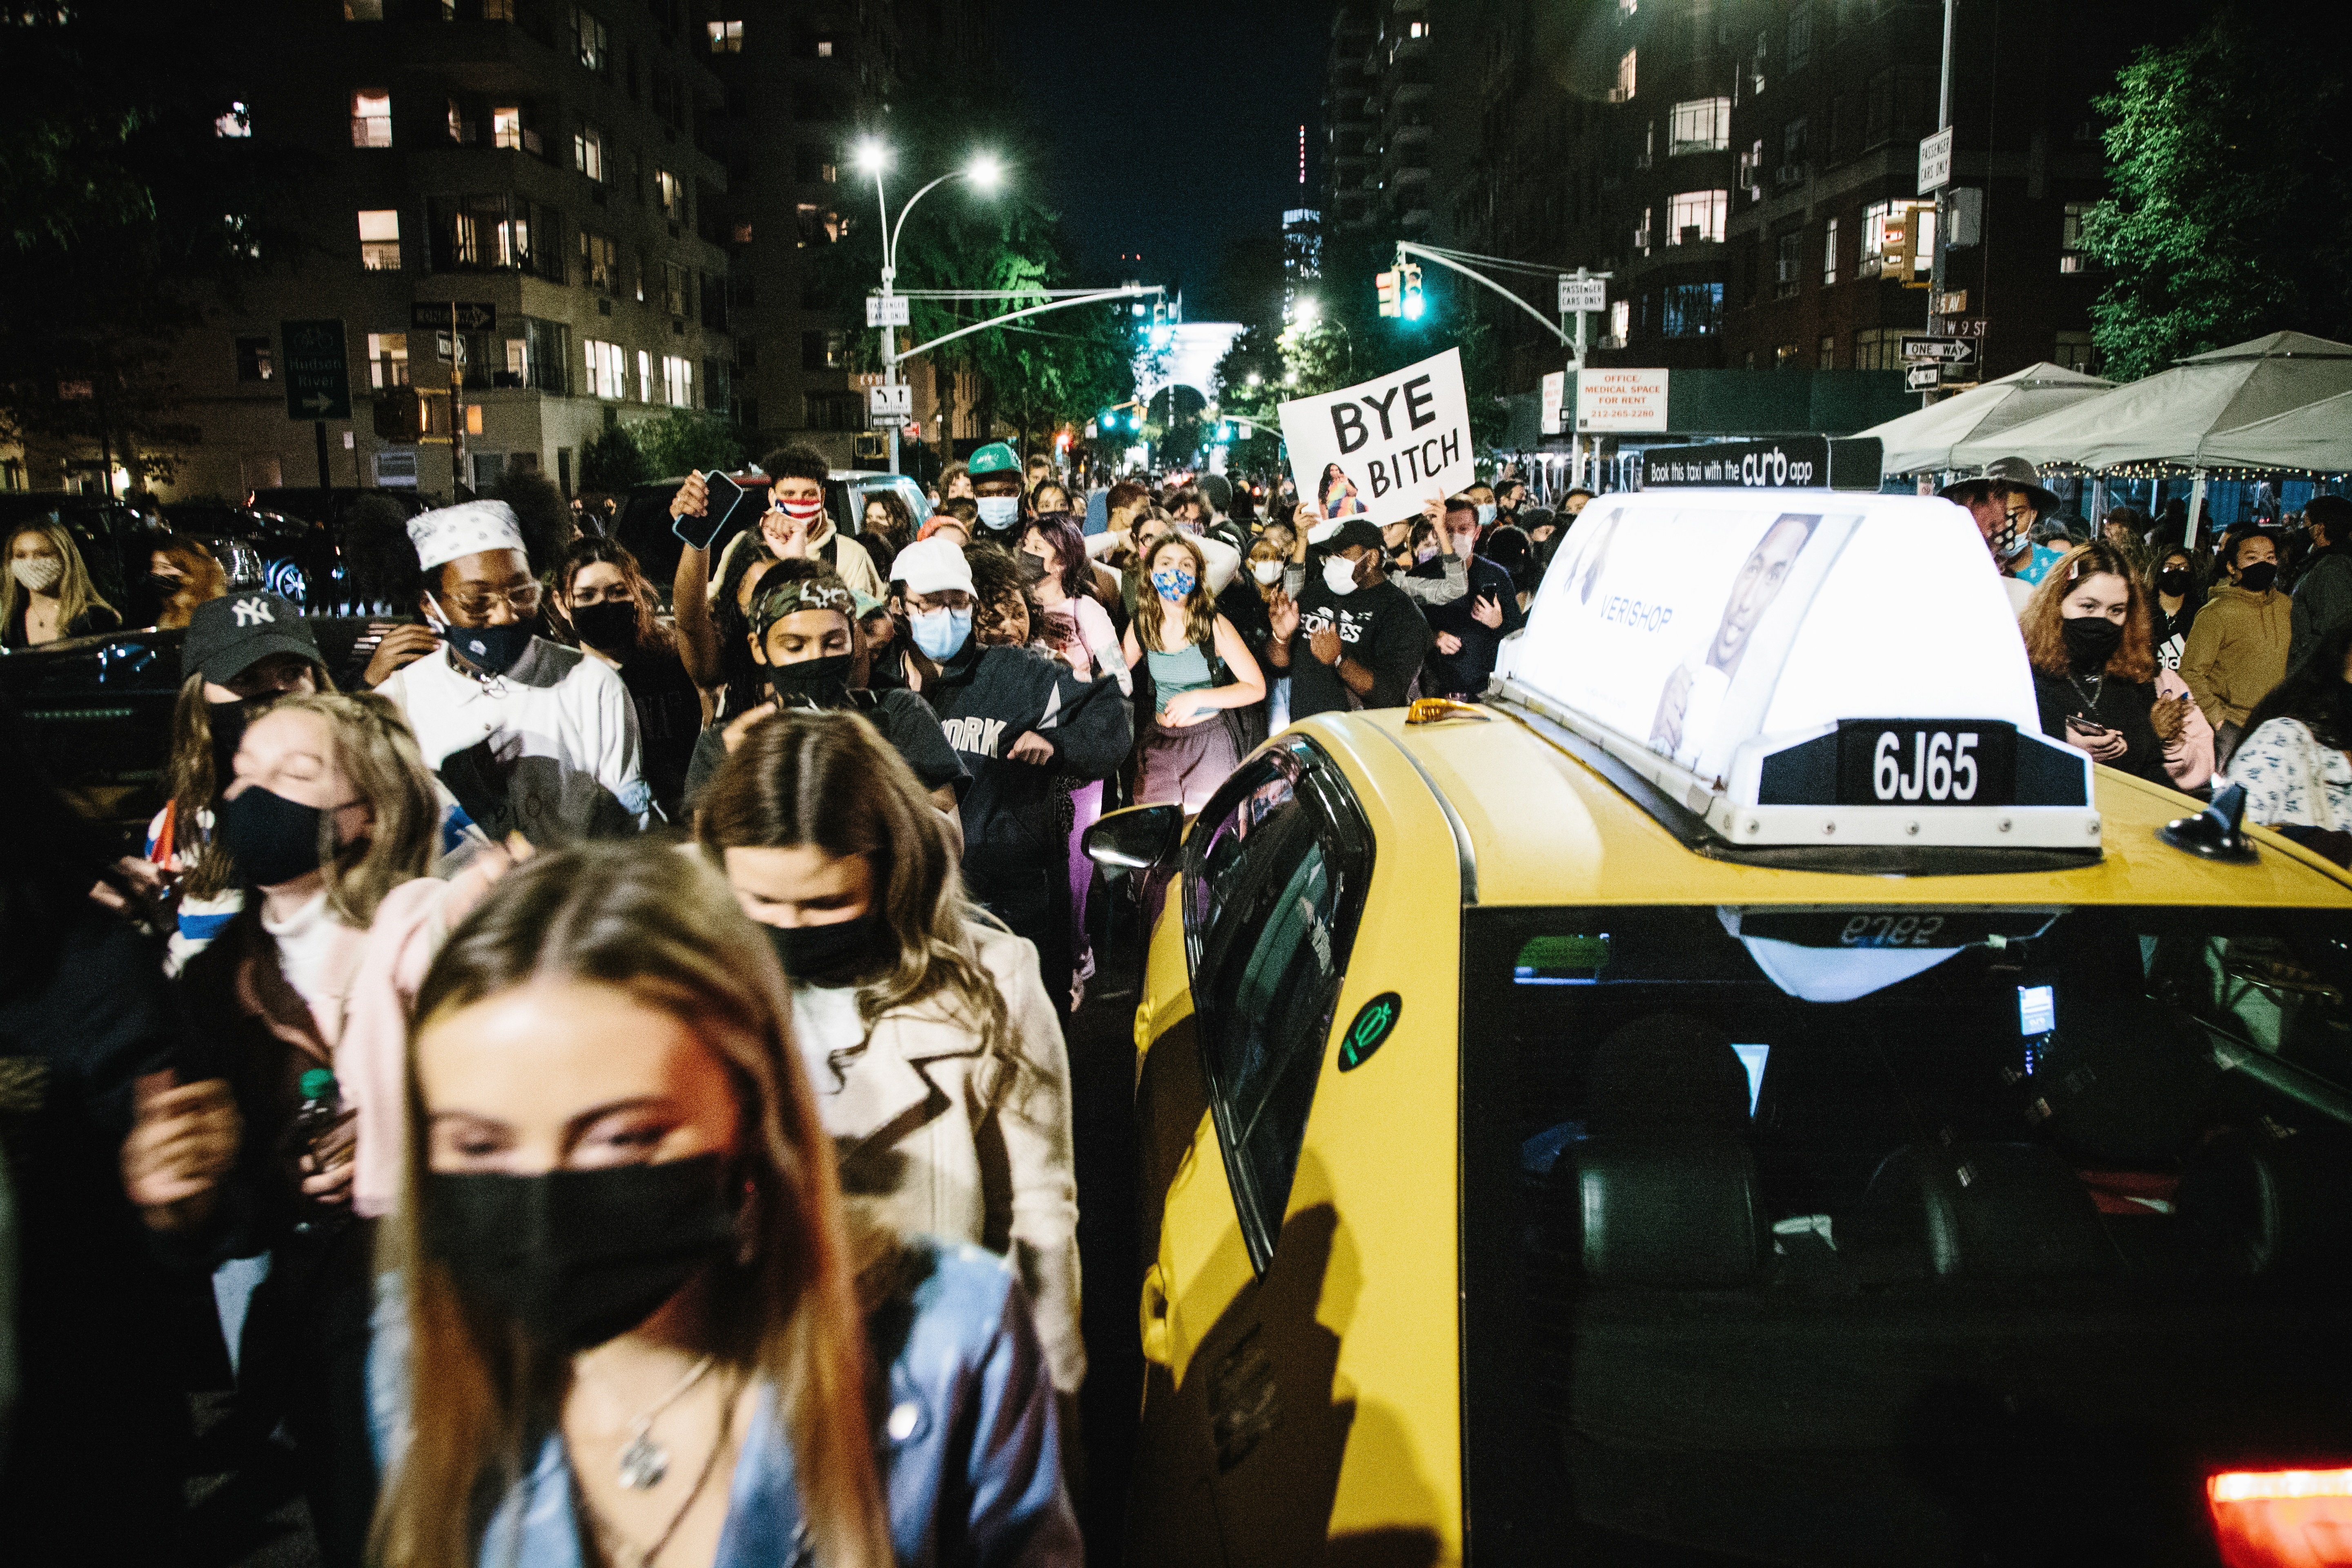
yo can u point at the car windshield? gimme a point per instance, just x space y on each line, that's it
1873 1234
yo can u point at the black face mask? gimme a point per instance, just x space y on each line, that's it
823 954
1031 568
813 682
2174 580
613 624
496 649
576 1258
2258 577
270 839
226 720
2091 641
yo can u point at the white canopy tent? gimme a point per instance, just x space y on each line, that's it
2317 437
1922 441
2167 417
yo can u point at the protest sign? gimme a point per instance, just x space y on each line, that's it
1379 449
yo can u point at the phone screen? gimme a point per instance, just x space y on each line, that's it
724 499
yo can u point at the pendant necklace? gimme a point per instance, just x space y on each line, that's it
644 1462
622 1553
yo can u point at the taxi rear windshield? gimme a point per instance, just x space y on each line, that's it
1872 1235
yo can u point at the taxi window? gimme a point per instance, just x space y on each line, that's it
1275 872
1817 1208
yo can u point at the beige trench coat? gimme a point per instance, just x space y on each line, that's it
928 1143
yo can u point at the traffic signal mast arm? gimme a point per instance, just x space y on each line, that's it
1098 297
1406 247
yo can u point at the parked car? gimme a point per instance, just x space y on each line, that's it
644 524
294 557
117 543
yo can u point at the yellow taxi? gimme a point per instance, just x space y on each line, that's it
1741 1095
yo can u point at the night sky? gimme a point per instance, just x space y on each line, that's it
1173 128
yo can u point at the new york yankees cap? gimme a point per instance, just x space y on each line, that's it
227 637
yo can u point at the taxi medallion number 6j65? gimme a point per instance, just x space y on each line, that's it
1891 762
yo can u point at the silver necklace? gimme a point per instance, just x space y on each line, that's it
644 1462
624 1554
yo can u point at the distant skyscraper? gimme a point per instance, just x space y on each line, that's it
1302 252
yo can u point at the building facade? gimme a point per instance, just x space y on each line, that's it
548 161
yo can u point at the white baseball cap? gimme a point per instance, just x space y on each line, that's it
931 565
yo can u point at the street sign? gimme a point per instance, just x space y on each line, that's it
1934 161
888 310
1582 293
889 399
1949 303
1554 398
1940 351
473 316
1922 377
317 369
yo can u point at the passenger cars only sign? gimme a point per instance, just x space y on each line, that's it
1380 448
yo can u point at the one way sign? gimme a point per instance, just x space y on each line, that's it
1940 351
317 371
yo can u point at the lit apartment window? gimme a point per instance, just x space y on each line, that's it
461 130
362 10
371 118
498 10
1699 125
1624 91
600 261
506 128
2071 255
589 37
671 192
1827 358
1621 320
237 123
387 359
645 376
1788 251
1828 252
1627 7
1873 240
824 49
588 152
1418 30
253 362
1691 310
726 37
674 288
1696 215
1784 356
2075 352
380 239
605 377
677 380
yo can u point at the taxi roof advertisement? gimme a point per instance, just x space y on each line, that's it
1692 622
1380 448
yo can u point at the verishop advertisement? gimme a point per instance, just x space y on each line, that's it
1379 449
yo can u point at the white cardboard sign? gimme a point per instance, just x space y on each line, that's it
1380 448
1621 400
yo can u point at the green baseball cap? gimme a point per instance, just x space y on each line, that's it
996 457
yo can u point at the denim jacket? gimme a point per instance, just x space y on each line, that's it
970 1454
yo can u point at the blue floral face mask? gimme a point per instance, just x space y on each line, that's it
1172 582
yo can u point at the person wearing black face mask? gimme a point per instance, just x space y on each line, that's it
2175 598
820 830
806 640
532 736
2095 673
610 606
2238 649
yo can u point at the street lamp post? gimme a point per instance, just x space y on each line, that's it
1310 316
983 171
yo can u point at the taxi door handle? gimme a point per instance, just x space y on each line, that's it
1153 1309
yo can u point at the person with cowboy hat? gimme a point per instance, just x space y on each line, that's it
2006 500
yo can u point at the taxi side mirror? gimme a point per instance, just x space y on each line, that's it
1138 839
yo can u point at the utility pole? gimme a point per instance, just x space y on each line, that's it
456 406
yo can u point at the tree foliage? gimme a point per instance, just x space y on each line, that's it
687 439
124 214
612 462
2231 211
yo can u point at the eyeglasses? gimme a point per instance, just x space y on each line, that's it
524 599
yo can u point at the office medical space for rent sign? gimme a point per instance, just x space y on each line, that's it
1620 400
1380 448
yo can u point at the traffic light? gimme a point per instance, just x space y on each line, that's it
400 415
1413 303
1387 284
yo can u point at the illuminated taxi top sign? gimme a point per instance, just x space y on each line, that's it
1789 462
1801 669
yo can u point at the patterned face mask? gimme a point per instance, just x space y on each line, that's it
1174 582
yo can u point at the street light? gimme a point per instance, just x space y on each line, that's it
984 171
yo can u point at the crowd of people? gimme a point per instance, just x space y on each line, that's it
598 1067
593 1010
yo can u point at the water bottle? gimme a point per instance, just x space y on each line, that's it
315 1119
